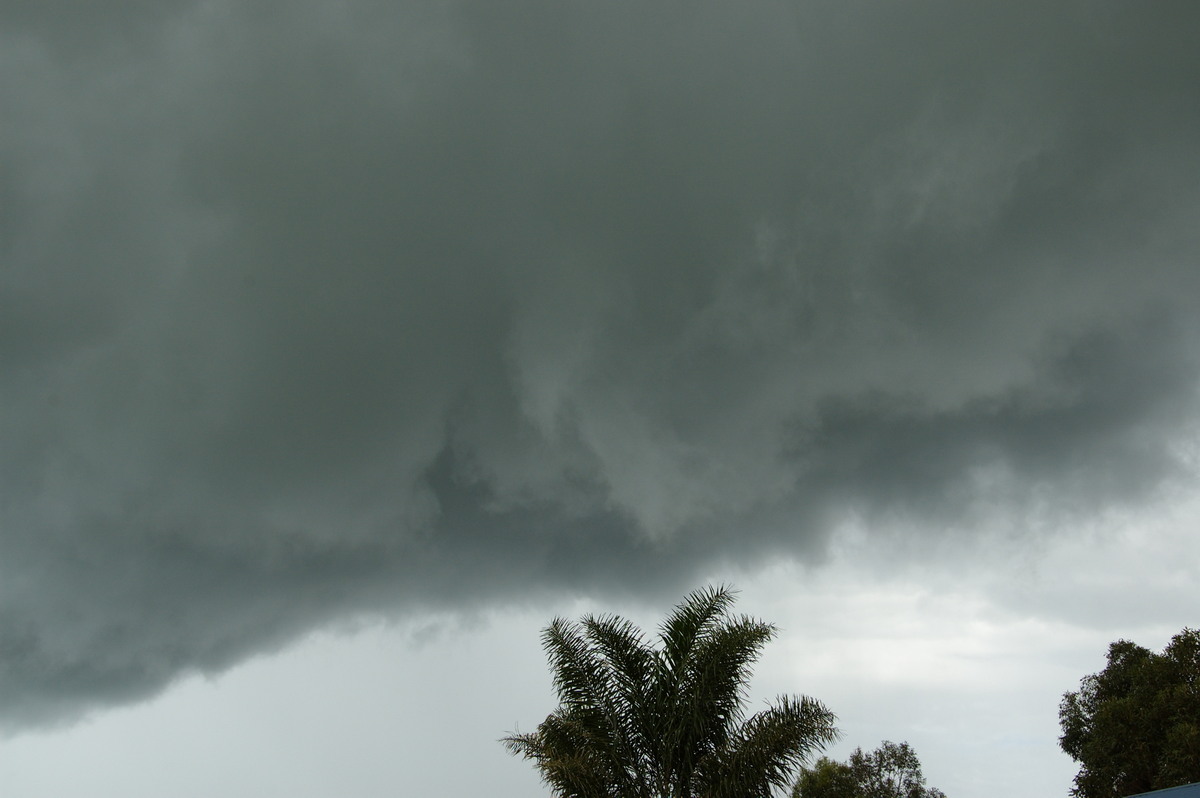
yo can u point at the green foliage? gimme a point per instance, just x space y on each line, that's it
1135 726
827 779
890 771
668 721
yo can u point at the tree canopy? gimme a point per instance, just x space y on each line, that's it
1135 726
890 771
668 721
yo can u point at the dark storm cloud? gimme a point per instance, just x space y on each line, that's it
371 306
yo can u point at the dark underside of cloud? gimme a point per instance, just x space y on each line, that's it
383 307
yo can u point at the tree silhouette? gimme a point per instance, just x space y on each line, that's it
1135 726
638 721
890 771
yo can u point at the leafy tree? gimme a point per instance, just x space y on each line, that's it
827 779
890 771
668 721
1135 726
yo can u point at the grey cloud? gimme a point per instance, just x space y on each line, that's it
381 307
1091 424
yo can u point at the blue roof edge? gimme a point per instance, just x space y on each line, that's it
1182 791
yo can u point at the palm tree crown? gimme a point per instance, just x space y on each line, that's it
638 721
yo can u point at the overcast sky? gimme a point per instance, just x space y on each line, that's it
345 343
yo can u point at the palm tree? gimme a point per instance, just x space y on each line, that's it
637 721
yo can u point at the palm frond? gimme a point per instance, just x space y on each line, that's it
693 620
631 674
566 755
712 693
590 700
576 670
694 616
768 749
